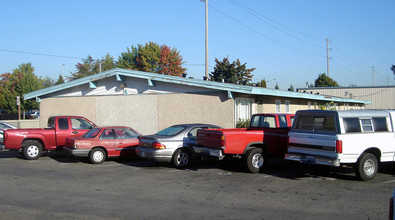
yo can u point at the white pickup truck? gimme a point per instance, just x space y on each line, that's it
361 138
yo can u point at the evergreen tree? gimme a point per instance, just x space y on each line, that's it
325 81
60 80
234 72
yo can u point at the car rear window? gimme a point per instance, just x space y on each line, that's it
325 124
92 133
170 131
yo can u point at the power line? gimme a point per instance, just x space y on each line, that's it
260 16
263 35
41 54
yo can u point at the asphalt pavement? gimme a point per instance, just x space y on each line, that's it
59 187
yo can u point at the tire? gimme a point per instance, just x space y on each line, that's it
97 156
366 167
181 158
255 160
32 149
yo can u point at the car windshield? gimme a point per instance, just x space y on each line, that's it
170 131
92 133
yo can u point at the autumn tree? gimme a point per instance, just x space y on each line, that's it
325 81
21 81
170 62
89 66
152 58
234 72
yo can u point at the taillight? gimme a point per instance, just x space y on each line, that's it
223 139
339 146
157 145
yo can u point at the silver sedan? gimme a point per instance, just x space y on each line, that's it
173 144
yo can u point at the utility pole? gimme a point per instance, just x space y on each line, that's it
327 57
373 75
206 63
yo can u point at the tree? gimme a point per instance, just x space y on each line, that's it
91 66
152 58
393 69
127 60
291 88
60 80
170 62
234 72
21 81
325 81
48 82
262 83
276 86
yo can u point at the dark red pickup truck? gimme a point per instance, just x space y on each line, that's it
32 141
266 136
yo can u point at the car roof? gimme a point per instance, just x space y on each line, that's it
195 124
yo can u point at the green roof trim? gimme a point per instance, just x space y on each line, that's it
151 78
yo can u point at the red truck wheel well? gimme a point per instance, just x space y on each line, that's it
34 139
255 145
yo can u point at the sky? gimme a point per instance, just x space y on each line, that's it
285 40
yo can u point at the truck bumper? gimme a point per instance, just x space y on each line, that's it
209 151
313 159
77 152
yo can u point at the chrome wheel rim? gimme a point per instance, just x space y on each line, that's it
257 161
369 167
32 151
98 156
182 159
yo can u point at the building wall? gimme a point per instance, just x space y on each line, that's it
382 97
146 113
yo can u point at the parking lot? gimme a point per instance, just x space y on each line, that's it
56 186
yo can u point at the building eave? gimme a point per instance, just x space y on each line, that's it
154 77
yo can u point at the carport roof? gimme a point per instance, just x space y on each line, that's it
150 77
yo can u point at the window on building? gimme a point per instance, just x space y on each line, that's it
309 105
278 105
287 106
244 109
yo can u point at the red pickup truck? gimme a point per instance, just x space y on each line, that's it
32 141
266 136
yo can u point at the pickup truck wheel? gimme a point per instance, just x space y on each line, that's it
32 150
255 159
181 158
366 167
97 156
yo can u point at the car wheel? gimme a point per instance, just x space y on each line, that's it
255 160
181 158
32 150
97 156
366 167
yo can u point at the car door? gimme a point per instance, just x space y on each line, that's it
107 140
126 141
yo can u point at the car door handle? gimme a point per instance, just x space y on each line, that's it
75 132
